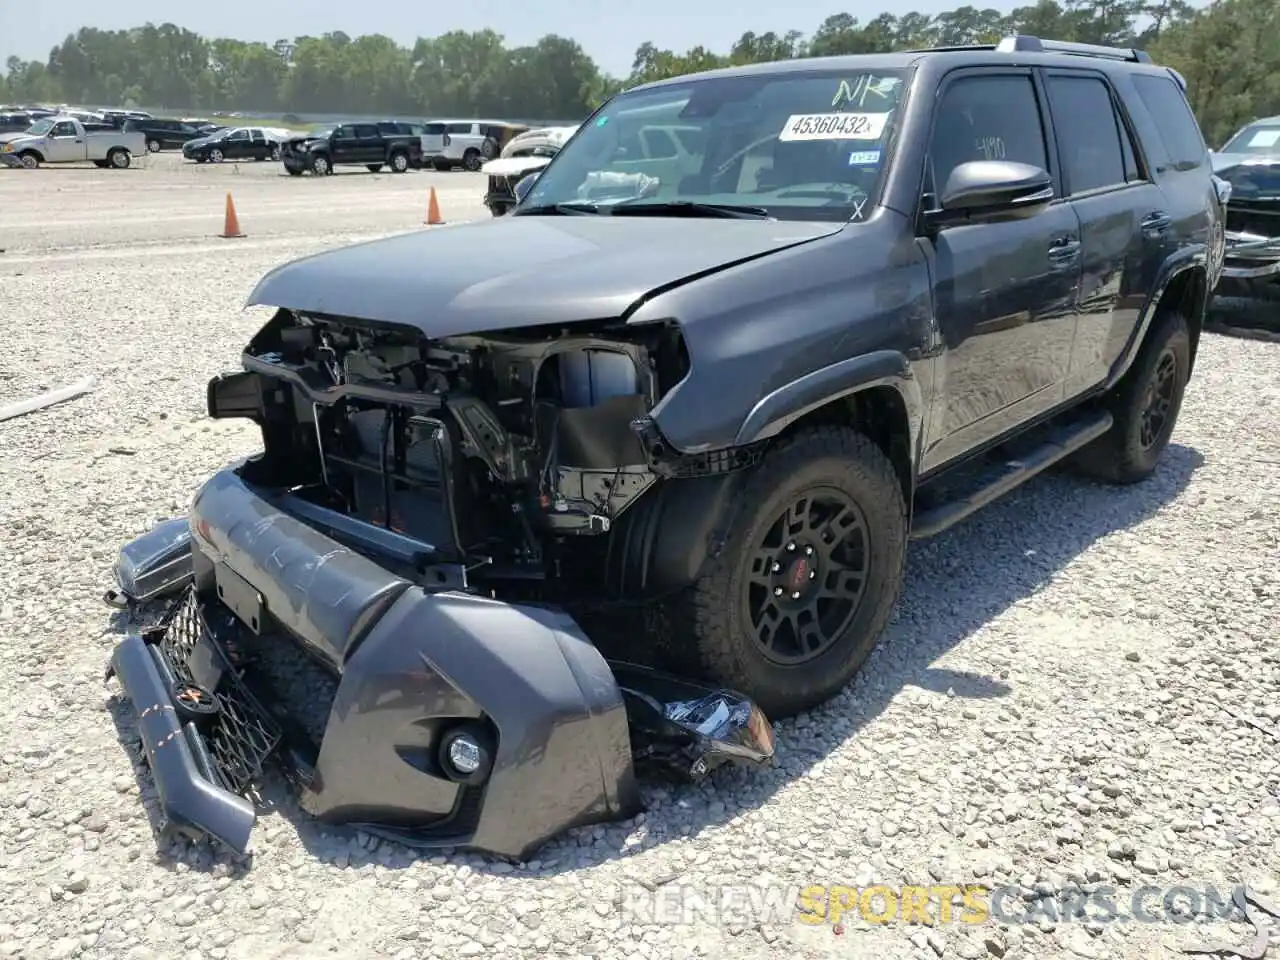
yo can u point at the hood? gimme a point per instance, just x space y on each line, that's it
1252 176
521 271
508 166
12 135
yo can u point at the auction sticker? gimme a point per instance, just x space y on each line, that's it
834 126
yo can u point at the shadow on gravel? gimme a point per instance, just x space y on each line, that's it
955 583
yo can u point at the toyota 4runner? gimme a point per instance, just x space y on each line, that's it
866 296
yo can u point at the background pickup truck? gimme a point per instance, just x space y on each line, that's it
361 144
67 140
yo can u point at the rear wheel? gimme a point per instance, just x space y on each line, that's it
119 158
1145 406
794 604
399 162
153 146
275 152
472 161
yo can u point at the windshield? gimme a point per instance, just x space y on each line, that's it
40 128
322 133
1260 139
802 146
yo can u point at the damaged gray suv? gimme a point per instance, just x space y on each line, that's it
678 415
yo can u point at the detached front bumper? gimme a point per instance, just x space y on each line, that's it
409 667
11 160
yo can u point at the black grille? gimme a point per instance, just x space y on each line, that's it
243 735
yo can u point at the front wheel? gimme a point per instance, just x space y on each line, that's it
320 165
472 161
153 146
30 159
215 155
1145 406
275 153
794 604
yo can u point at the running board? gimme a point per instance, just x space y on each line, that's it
1061 442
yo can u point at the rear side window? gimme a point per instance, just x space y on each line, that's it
366 131
1088 131
460 128
1173 118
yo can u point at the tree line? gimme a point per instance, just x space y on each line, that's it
1229 52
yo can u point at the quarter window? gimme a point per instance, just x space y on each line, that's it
1173 118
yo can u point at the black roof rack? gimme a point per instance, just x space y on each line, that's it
1019 43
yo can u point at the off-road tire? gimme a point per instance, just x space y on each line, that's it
472 161
373 167
704 629
399 161
1119 455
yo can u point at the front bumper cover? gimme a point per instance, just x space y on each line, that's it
408 665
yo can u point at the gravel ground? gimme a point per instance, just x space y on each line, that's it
1057 705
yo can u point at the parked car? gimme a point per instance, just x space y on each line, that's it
62 139
15 121
466 143
165 134
351 144
523 154
881 292
234 143
1250 163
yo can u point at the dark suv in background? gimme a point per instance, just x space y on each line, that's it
165 134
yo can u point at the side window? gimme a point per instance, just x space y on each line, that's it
367 131
986 118
659 143
461 129
64 129
1173 118
1088 130
344 132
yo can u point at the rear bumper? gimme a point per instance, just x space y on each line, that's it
407 665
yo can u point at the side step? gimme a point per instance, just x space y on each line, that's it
1059 443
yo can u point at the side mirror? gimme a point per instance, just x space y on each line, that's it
525 184
992 190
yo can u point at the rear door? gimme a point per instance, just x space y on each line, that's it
1115 199
371 148
1005 294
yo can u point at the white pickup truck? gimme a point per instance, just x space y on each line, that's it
63 139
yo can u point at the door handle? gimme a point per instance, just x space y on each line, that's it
1157 222
1064 249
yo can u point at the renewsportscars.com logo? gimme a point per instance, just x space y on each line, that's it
936 905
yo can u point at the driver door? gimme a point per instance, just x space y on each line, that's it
237 145
65 143
1005 294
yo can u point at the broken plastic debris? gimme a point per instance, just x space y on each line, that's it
69 392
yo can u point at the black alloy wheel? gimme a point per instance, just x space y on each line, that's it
808 577
1157 401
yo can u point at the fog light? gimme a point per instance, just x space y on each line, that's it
467 753
464 754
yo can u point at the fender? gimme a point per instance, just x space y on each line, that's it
1189 258
778 410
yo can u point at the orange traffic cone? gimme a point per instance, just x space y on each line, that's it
433 210
231 224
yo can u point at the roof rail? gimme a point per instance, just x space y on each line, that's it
1019 43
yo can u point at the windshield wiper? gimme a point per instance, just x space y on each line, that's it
573 208
689 208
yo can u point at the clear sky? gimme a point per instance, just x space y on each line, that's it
609 30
